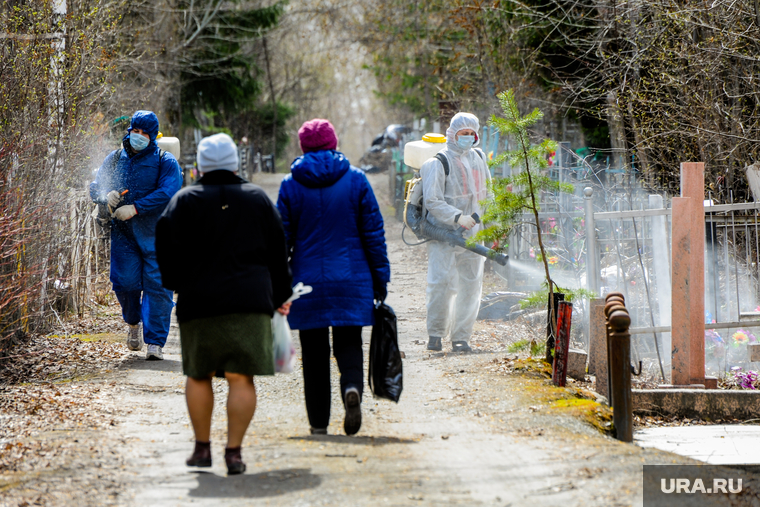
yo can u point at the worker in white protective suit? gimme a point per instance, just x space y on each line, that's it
455 275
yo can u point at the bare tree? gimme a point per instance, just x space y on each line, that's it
674 80
53 79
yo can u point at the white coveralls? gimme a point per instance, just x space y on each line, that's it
455 275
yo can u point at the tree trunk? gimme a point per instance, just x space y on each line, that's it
617 132
274 106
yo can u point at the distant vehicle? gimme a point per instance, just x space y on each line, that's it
378 157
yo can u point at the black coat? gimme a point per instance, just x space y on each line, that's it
221 246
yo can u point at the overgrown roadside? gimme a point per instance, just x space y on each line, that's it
477 429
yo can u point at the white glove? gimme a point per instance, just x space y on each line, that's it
466 221
113 198
125 212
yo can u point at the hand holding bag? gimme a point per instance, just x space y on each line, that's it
282 345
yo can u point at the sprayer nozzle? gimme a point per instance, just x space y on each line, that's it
500 259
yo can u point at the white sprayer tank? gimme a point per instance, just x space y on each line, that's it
417 153
170 144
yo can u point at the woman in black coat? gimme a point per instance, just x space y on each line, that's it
221 247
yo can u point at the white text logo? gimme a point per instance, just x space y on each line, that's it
685 486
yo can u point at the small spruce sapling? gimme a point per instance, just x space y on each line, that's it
519 193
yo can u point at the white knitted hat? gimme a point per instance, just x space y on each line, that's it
217 152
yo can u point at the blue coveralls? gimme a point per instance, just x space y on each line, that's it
151 182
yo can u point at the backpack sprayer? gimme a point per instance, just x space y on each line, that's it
415 154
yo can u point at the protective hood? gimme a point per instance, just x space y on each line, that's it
147 121
462 121
318 169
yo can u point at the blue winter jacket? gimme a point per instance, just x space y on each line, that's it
336 241
151 180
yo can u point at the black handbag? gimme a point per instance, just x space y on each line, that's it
385 368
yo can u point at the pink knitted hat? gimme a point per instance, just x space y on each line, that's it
316 135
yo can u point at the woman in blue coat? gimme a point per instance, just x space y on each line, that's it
336 242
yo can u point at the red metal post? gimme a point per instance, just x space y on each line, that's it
562 345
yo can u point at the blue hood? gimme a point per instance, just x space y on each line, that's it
146 121
319 169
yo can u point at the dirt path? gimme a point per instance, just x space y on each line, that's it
469 430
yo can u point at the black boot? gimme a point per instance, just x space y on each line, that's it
353 421
435 343
234 461
460 346
201 455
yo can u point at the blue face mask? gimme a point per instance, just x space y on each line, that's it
138 142
465 142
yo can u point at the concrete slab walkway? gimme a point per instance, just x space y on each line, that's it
716 445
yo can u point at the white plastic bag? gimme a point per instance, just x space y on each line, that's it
282 345
284 351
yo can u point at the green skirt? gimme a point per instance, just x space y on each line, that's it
238 343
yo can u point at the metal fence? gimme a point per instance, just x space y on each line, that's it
630 253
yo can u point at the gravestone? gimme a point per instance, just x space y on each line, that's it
576 364
597 362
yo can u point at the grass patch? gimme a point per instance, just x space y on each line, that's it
71 377
10 483
78 377
533 366
596 414
97 337
518 346
537 349
572 401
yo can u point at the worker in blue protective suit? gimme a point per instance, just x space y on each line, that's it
136 183
455 202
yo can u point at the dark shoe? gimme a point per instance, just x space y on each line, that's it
234 461
353 420
435 343
460 347
319 431
201 455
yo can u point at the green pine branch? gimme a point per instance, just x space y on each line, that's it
518 194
